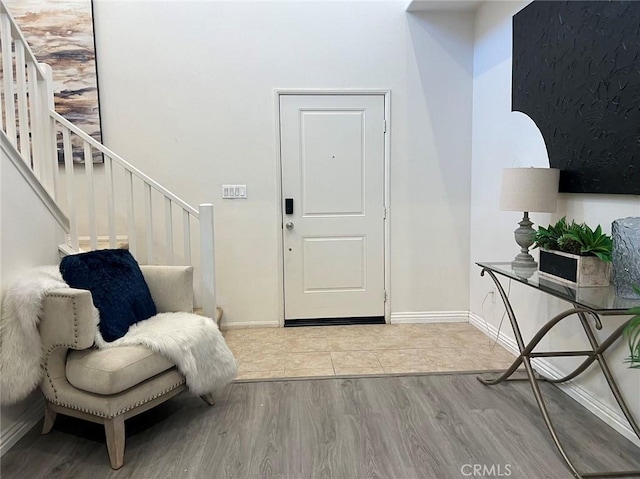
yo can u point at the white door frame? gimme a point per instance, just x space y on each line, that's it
280 218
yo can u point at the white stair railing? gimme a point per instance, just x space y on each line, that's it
114 197
25 101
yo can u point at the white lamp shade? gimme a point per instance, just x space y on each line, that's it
530 189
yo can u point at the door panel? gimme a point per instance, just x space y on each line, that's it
323 161
334 264
332 149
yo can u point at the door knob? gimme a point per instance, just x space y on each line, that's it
289 225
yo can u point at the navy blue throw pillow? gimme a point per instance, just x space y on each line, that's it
117 286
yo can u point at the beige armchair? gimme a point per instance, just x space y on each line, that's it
108 386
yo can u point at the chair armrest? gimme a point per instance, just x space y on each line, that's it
171 287
68 319
67 322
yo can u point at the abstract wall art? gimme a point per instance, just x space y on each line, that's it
60 33
576 74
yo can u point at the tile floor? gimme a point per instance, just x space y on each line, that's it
363 349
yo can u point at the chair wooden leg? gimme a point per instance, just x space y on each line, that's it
208 398
114 432
49 418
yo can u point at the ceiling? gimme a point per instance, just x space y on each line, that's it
443 5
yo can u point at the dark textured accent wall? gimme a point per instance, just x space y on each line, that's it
576 73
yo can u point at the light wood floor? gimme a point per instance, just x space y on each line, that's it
420 426
364 349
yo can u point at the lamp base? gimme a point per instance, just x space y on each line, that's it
524 266
524 261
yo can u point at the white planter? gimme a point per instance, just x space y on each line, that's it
574 270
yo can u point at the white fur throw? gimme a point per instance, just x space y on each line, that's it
20 347
192 342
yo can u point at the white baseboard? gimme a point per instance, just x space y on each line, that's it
612 417
491 331
430 317
22 425
396 318
248 324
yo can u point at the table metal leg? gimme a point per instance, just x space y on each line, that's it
592 357
596 354
525 351
524 357
547 418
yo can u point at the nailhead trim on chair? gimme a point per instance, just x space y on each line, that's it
122 411
140 403
75 314
53 347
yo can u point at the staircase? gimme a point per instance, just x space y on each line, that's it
110 204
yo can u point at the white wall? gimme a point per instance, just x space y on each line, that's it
500 140
30 236
187 95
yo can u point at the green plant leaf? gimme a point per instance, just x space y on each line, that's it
547 238
606 257
598 231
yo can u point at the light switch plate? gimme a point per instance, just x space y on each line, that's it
234 192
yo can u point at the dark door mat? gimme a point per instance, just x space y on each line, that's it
294 323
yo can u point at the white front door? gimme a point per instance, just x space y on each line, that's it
332 149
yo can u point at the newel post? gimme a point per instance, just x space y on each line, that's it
207 260
48 146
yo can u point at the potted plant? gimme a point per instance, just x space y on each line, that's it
632 333
574 253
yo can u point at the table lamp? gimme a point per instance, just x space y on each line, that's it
528 190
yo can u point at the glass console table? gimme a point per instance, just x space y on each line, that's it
588 304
